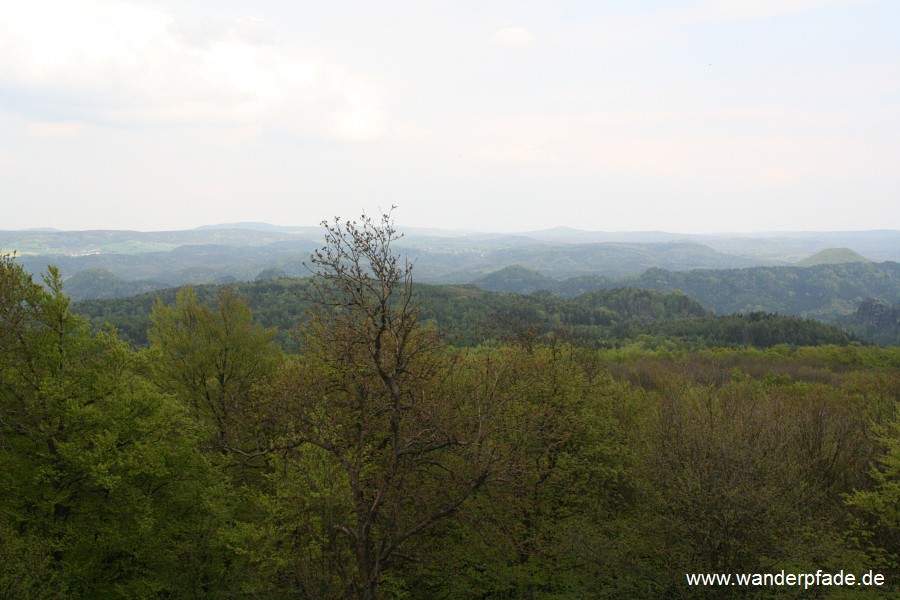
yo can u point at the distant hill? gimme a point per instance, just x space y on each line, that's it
875 320
260 226
254 225
605 318
63 243
832 256
790 247
568 235
565 261
822 292
195 263
515 279
615 259
100 283
470 263
828 292
206 255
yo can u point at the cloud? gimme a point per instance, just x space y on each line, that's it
54 129
745 146
7 159
513 38
522 154
735 10
130 64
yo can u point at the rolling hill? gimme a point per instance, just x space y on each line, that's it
833 256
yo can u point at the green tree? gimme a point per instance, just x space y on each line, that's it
213 359
102 490
545 528
880 505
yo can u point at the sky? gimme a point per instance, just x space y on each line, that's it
691 116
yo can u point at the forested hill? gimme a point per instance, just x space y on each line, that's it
832 256
469 315
821 291
119 268
817 291
106 264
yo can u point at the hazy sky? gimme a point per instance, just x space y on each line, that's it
688 116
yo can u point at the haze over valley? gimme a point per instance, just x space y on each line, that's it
815 275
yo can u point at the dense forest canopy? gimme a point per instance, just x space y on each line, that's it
390 440
834 293
468 315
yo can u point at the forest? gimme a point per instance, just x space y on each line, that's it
469 316
835 293
354 435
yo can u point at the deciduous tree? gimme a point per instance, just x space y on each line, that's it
385 404
213 358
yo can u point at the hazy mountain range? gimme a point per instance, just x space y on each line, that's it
823 275
115 263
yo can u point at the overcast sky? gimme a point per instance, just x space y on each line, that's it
688 116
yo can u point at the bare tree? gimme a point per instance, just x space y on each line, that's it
384 402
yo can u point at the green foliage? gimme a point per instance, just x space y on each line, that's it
100 283
104 491
212 359
823 291
272 273
515 279
374 398
829 292
880 504
275 303
541 531
745 475
876 321
376 461
470 316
